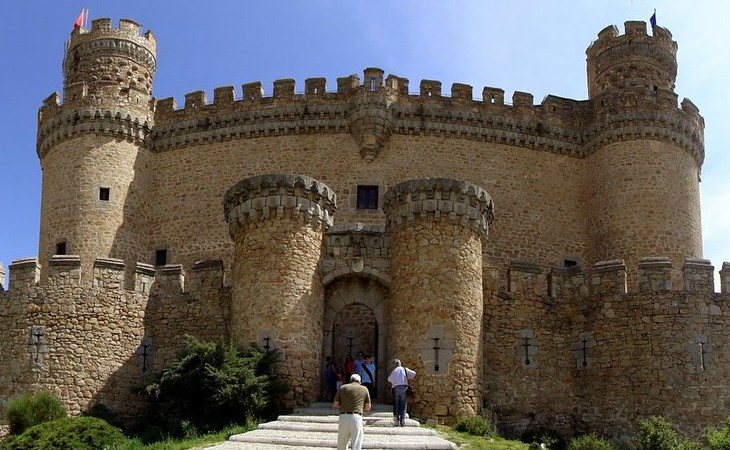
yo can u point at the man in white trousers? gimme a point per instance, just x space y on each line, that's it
352 399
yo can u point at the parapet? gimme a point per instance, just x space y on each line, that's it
281 196
632 60
101 29
456 200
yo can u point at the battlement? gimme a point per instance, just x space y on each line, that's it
102 29
634 60
610 278
377 107
110 274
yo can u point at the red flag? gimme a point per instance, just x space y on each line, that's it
81 19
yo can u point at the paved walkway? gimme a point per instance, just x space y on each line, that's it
315 428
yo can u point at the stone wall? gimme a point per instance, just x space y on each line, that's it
94 342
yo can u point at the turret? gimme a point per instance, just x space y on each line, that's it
644 152
633 63
92 147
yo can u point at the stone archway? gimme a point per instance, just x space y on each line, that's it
353 299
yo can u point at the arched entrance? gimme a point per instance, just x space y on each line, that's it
355 320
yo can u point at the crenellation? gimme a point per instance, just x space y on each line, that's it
430 88
698 276
130 26
725 278
2 277
522 100
609 277
109 273
493 96
526 278
64 270
460 91
253 91
206 276
568 283
195 100
170 279
315 87
284 89
655 274
373 79
224 95
144 277
347 85
398 84
23 274
635 27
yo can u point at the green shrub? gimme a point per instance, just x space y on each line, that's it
476 425
211 386
657 433
33 409
719 438
543 435
590 442
80 433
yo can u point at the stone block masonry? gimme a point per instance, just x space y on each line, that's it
586 307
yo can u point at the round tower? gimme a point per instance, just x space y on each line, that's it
644 153
436 229
277 224
92 147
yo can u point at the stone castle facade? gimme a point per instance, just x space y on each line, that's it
542 262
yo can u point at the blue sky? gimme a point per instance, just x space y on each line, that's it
533 46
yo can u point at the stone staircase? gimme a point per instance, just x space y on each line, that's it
315 427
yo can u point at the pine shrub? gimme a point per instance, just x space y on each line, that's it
210 386
657 433
28 410
80 433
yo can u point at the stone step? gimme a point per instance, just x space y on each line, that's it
383 427
299 439
377 420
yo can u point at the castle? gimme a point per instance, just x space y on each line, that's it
539 261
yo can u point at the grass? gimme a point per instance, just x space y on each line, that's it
466 441
197 442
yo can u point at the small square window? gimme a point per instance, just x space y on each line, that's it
104 194
367 197
161 257
570 263
61 248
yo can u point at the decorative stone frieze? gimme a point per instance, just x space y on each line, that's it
462 202
279 196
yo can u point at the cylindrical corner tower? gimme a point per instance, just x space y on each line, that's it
277 223
92 147
436 228
644 152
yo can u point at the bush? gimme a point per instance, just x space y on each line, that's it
543 435
33 409
589 442
211 386
657 433
80 433
476 425
719 438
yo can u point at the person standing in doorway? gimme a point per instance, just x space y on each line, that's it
358 364
368 375
398 380
352 399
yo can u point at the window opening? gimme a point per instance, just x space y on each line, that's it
367 197
104 194
61 248
161 257
569 263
